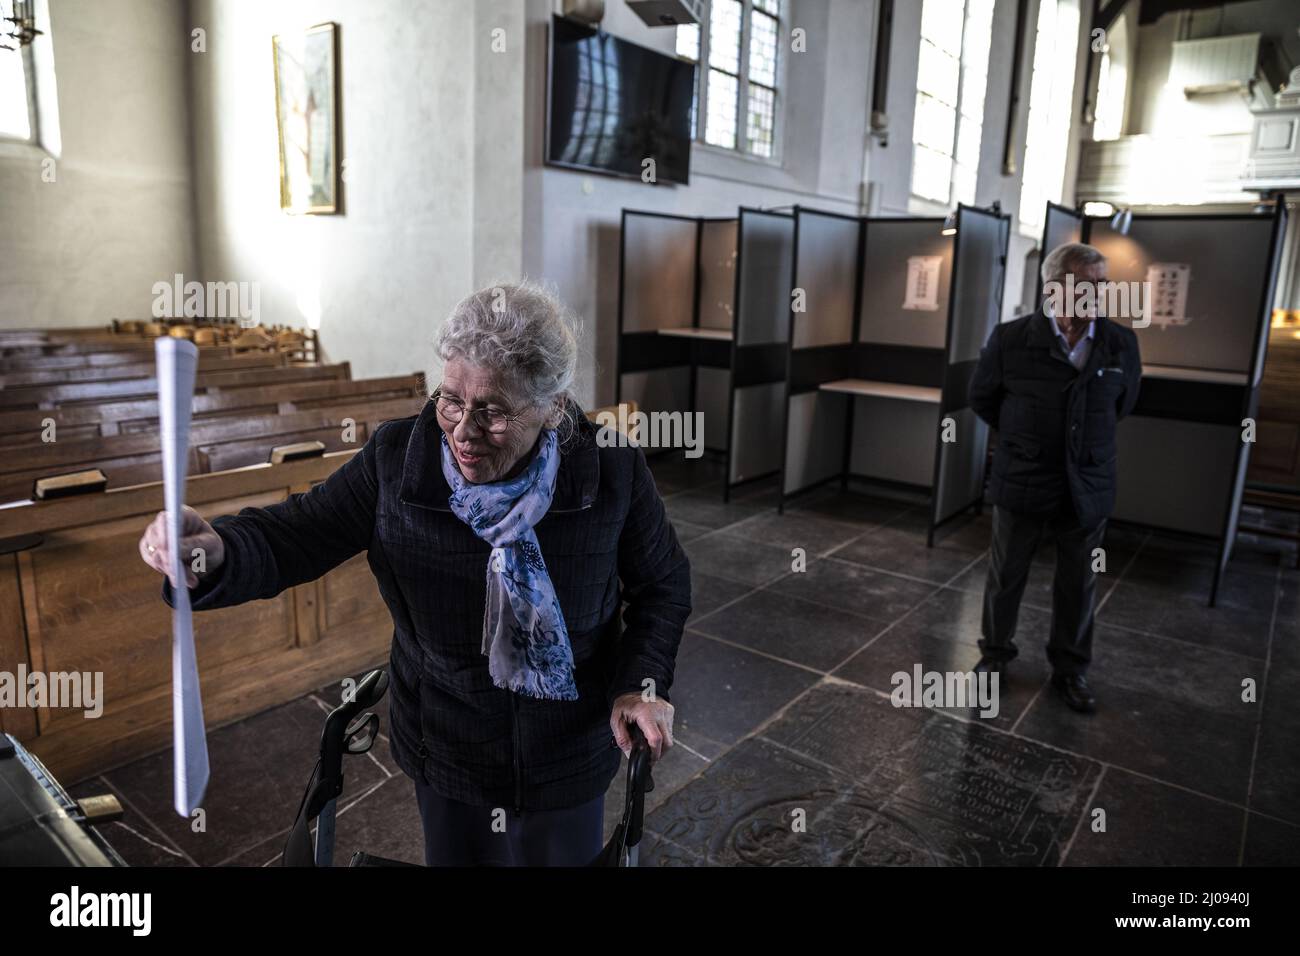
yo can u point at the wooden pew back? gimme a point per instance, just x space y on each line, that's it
83 601
215 444
89 420
83 359
51 396
107 373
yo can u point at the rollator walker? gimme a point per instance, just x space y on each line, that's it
352 728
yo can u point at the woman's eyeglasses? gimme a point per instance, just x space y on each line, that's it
485 419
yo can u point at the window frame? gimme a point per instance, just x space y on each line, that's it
918 203
1031 230
33 137
741 149
1117 43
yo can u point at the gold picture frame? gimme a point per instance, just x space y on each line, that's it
307 119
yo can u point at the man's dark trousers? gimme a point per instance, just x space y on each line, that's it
1015 539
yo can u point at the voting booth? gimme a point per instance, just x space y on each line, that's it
1201 288
887 320
702 324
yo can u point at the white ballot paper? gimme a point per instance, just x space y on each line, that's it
177 362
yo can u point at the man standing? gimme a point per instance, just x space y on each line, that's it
1054 383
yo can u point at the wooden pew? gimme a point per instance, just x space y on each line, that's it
84 359
51 396
109 373
120 343
24 342
84 601
90 420
216 444
70 334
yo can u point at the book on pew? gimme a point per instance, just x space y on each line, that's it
70 483
303 449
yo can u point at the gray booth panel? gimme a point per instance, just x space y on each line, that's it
757 416
1061 226
893 440
828 274
663 390
712 387
1226 260
717 273
961 464
1175 474
814 439
658 273
890 245
977 283
766 258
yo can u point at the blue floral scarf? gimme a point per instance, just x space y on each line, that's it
524 635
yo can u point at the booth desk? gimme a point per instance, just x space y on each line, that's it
893 317
702 322
1182 460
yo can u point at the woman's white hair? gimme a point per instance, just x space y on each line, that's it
522 333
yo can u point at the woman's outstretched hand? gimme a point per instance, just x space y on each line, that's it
654 717
195 533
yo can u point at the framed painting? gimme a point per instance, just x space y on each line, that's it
307 114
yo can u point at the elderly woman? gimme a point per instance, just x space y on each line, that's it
505 537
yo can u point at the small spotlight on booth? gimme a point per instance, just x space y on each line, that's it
949 224
1098 210
1121 221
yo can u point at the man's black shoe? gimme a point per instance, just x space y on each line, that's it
992 665
1074 689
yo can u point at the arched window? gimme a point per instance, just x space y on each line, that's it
739 70
951 76
1051 91
17 88
1112 83
29 103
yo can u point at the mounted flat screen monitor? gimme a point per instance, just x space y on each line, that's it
614 104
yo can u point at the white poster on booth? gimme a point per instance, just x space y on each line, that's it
922 283
1166 289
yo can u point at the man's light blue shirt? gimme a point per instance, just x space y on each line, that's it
1078 355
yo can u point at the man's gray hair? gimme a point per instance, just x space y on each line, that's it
1068 257
520 332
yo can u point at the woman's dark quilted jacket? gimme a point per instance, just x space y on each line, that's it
606 540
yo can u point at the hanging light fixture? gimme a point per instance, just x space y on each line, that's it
19 30
1121 221
949 224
